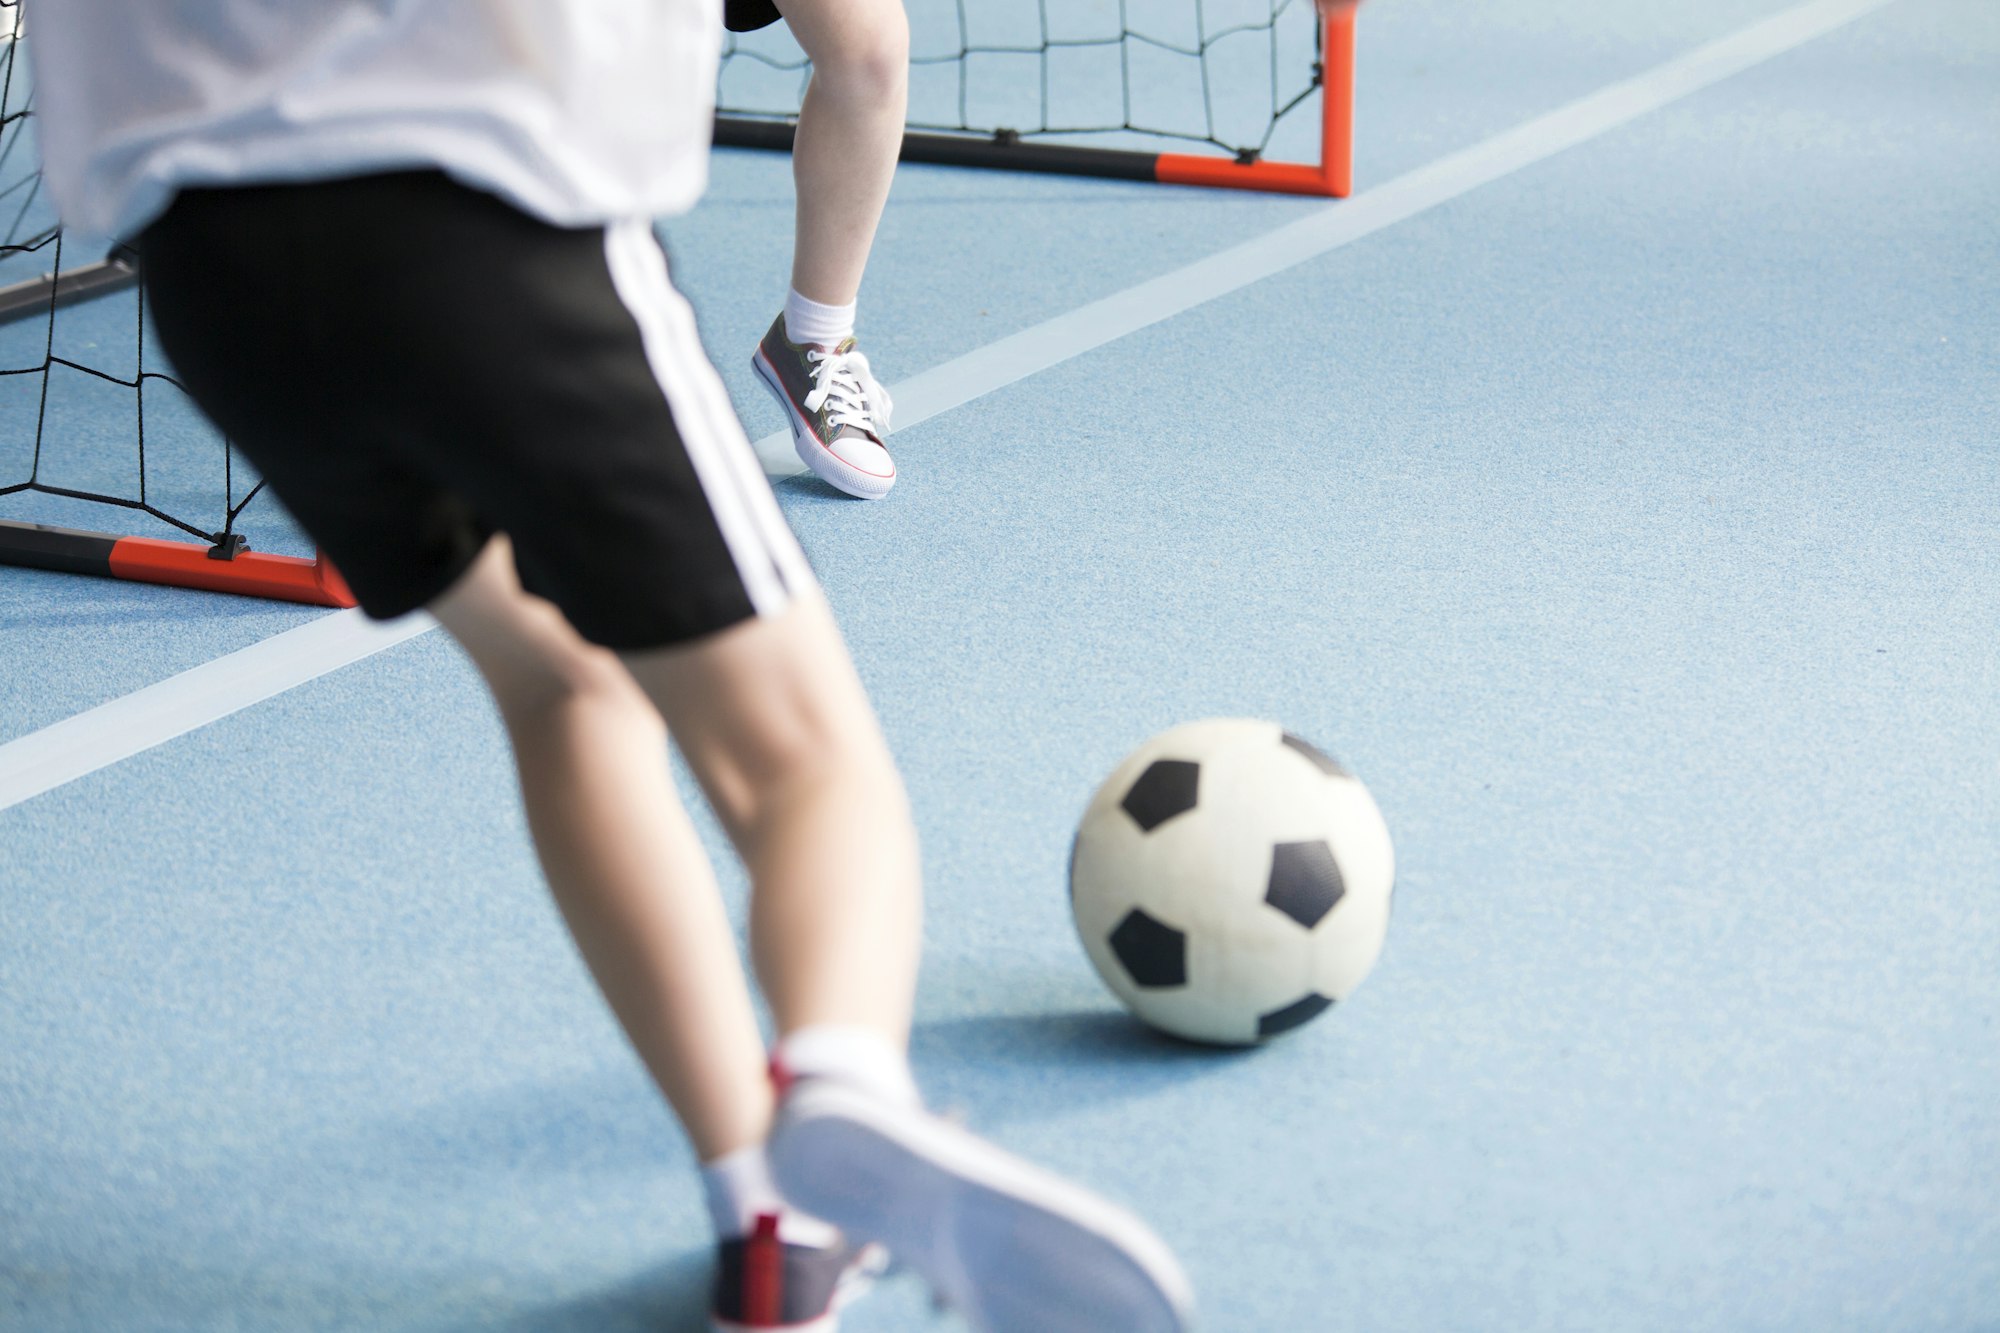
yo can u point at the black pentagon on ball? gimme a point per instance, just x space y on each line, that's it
1167 788
1153 952
1319 758
1305 881
1292 1015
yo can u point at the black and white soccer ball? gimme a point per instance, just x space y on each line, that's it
1231 882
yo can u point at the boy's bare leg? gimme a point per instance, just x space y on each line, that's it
774 722
624 864
844 155
773 719
850 132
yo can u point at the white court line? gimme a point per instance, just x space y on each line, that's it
117 730
196 697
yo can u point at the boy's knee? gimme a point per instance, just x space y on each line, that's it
870 64
799 752
556 680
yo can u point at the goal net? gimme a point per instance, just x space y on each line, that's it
90 426
1255 94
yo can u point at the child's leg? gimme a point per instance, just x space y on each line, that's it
775 724
850 131
622 860
774 721
843 158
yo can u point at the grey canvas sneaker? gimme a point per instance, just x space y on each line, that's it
837 411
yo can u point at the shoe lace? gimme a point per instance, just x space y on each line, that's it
857 399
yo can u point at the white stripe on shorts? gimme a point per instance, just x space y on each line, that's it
767 555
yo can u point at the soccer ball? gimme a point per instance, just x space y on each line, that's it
1231 882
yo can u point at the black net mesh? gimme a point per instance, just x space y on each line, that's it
84 421
1140 74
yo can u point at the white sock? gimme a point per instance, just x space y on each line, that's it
807 321
739 1189
859 1056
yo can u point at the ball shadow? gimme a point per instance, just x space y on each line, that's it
1094 1034
1027 1067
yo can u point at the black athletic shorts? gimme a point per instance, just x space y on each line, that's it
748 15
414 365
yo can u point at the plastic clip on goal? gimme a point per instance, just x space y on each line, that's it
1332 176
222 563
117 271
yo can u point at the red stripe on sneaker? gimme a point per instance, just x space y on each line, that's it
812 427
764 1274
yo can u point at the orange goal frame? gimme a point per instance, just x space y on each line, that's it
223 567
1331 177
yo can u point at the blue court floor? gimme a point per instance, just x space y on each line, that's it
1630 523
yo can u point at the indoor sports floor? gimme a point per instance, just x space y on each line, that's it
1621 502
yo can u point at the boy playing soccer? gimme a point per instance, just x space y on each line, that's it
403 255
850 132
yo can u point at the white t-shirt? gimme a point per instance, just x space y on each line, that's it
578 111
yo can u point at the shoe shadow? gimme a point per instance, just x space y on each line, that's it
607 1121
806 488
669 1298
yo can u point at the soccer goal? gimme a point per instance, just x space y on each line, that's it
88 427
1247 94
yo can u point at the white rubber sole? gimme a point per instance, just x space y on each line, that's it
1013 1248
825 464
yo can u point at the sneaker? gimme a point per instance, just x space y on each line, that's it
1013 1248
764 1284
837 411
